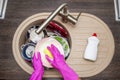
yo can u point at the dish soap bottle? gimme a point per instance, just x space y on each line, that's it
92 48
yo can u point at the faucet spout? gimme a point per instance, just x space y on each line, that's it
52 15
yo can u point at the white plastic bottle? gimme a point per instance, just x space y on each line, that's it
92 48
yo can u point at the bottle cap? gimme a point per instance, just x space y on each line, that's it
94 34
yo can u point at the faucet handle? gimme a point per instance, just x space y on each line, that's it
66 16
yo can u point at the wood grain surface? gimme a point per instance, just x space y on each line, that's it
18 10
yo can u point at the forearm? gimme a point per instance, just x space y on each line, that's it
36 76
69 73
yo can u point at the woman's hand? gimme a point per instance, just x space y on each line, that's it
58 62
38 67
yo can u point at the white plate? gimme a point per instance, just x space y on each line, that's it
42 45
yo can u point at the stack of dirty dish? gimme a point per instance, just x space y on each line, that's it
53 34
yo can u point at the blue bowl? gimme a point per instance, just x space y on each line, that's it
28 51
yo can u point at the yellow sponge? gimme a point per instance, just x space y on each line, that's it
47 52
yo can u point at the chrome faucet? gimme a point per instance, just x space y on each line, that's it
63 12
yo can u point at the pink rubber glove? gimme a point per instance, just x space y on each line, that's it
38 67
58 62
